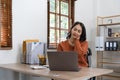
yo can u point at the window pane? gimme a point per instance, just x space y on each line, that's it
58 36
57 20
64 22
52 5
64 8
63 35
57 6
52 36
52 20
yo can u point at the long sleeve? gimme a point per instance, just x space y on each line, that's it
81 48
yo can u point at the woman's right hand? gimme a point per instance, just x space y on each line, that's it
76 36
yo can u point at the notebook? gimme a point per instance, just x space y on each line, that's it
63 61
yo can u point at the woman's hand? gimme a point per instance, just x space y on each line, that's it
76 36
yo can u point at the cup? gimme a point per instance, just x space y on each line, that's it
42 61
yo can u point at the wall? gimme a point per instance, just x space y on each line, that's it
30 22
108 7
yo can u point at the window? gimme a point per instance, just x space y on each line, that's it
60 18
5 24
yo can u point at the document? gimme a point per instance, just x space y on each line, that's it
107 45
111 45
99 43
33 50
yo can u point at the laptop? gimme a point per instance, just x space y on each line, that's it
63 61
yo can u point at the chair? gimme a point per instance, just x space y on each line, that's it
89 54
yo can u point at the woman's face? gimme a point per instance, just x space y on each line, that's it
76 32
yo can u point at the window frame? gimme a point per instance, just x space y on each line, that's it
70 22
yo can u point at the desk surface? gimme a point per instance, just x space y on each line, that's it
64 75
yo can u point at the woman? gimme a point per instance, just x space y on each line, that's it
76 41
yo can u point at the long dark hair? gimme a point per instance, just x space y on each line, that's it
82 36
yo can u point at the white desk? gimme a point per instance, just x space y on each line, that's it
62 75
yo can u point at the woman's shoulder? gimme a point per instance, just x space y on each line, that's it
85 42
63 42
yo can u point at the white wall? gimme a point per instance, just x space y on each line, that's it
108 7
30 22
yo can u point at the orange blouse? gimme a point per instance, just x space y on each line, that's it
79 47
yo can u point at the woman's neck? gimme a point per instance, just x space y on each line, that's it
71 41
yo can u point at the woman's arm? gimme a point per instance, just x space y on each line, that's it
81 47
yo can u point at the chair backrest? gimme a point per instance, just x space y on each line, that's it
89 53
